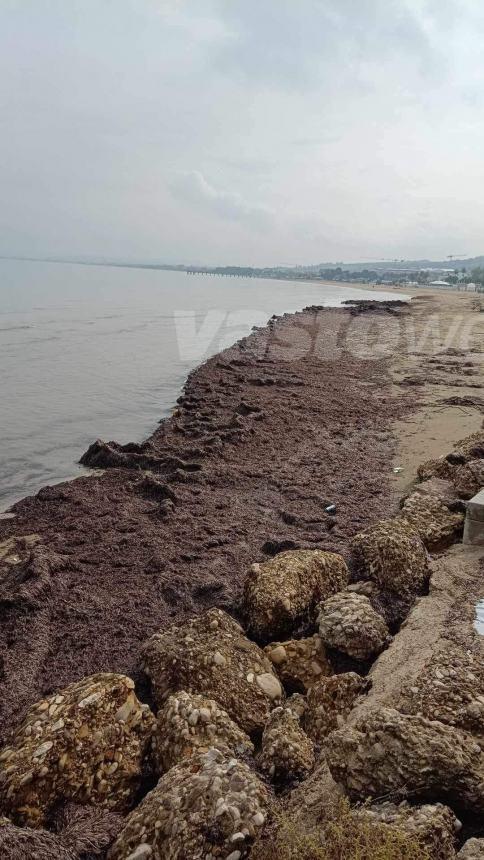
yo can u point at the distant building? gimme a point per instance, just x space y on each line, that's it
441 284
469 288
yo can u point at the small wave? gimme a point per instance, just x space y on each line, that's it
16 327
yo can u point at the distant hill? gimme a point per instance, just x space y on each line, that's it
397 265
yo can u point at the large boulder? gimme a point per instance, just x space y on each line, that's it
470 448
393 555
449 687
188 724
439 468
330 701
210 805
348 623
86 744
211 656
436 525
469 478
282 593
386 751
299 662
473 849
287 753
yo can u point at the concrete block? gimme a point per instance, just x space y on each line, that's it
474 524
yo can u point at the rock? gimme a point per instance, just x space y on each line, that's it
188 724
287 753
469 479
282 593
386 751
440 468
299 662
449 687
297 703
393 555
473 849
348 623
330 701
210 805
470 448
437 526
315 799
81 832
432 825
211 656
437 488
85 744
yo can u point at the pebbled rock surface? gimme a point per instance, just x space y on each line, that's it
86 744
207 806
212 656
473 849
449 688
282 593
438 468
265 436
348 623
299 663
330 701
287 752
469 478
470 448
187 724
386 751
437 526
393 555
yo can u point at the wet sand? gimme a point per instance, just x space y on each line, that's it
267 435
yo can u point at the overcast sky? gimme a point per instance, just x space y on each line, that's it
242 131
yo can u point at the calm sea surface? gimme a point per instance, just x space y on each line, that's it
93 351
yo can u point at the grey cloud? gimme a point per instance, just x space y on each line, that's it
241 130
194 188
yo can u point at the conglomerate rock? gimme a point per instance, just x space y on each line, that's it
473 849
469 478
386 751
470 448
437 488
84 833
438 468
187 724
449 688
299 662
433 825
393 555
348 623
85 744
432 520
281 593
287 753
210 805
211 656
330 701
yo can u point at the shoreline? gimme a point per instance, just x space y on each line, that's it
265 438
289 439
268 434
41 454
